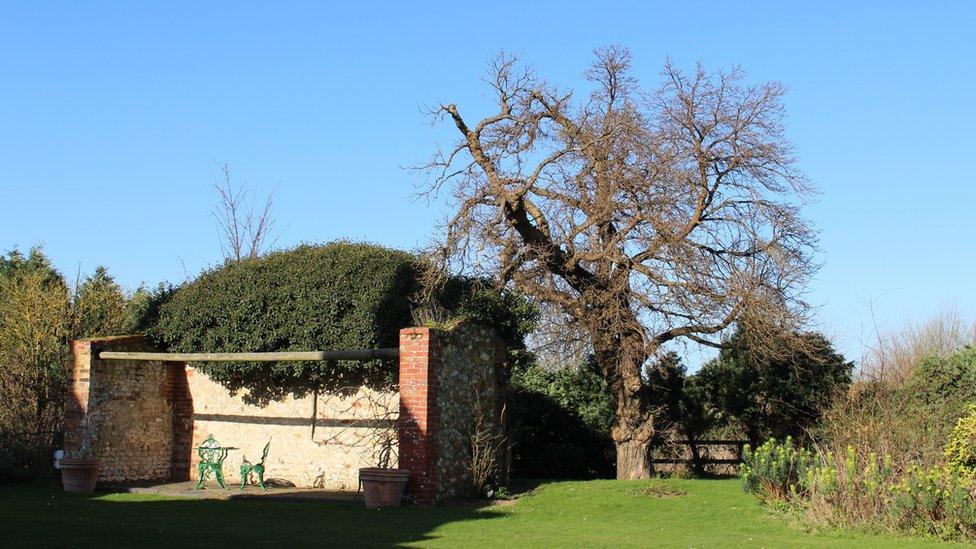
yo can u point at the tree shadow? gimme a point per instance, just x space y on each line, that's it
36 515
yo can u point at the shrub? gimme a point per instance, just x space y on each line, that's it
559 423
776 471
866 491
849 488
580 391
960 452
772 393
337 296
101 306
509 313
894 355
910 422
891 457
935 501
550 437
942 387
39 316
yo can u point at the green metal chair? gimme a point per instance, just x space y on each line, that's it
248 468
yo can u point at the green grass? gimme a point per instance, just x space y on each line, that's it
656 513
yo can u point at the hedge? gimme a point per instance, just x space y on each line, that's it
336 296
340 295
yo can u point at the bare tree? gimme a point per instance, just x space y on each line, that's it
244 230
641 216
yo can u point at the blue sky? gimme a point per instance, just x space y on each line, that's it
112 115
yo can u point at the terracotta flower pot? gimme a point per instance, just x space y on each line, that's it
383 487
79 474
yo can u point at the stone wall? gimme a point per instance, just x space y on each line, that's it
146 417
470 402
326 454
125 409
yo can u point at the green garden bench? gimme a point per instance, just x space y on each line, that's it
248 468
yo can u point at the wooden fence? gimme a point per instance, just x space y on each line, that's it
720 456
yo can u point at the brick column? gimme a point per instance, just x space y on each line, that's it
79 381
420 357
177 392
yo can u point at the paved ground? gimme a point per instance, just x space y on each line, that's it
212 491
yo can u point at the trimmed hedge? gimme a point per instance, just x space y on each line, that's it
340 295
336 296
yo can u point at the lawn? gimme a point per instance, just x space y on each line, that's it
656 513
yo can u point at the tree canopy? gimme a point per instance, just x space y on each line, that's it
773 396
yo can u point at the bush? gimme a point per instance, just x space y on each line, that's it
559 423
580 391
850 488
336 296
867 492
549 440
960 452
937 501
39 316
942 387
773 393
776 471
509 313
892 459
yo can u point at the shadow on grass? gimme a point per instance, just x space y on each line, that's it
37 515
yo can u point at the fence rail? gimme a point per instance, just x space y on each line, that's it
279 356
705 459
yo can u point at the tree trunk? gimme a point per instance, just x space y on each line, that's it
620 359
633 459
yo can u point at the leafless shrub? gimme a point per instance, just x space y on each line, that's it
487 446
893 354
879 433
244 227
875 419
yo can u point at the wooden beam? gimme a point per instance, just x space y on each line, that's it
280 356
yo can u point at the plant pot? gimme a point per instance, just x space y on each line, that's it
383 487
79 474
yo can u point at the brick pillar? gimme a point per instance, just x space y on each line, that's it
79 380
178 394
420 357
